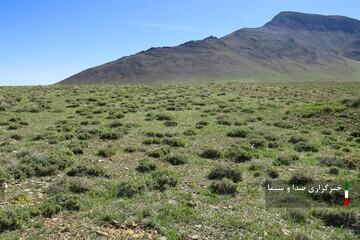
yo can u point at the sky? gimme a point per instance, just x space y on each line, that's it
43 42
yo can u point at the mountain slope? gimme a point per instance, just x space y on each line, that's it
292 44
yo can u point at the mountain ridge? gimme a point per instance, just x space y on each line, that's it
290 44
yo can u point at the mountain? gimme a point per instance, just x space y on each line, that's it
292 45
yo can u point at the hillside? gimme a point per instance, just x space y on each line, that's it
292 44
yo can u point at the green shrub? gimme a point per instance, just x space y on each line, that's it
334 171
159 153
107 151
170 123
176 159
163 117
343 219
83 136
110 135
50 208
300 236
297 139
254 167
224 186
238 133
211 154
154 134
338 162
225 172
298 215
150 141
33 163
9 220
164 179
273 173
16 137
130 149
285 125
305 147
129 189
174 142
257 142
78 186
300 179
285 160
146 166
355 103
189 132
238 155
115 124
201 124
90 171
68 202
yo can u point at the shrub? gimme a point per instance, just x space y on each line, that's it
146 166
110 135
211 154
254 167
68 202
84 136
334 171
238 133
164 179
129 189
50 208
285 160
16 137
78 186
224 122
150 141
174 142
341 219
273 145
355 103
170 123
163 117
338 162
224 186
297 139
107 151
201 124
239 155
154 134
33 163
300 236
300 179
273 173
298 215
9 220
83 171
305 147
130 149
226 172
115 124
285 125
355 134
335 198
77 147
176 159
257 142
160 152
189 132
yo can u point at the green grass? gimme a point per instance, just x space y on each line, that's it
186 160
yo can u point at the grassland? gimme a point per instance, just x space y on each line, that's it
174 161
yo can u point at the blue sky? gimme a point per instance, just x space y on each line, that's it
43 41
